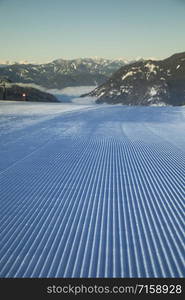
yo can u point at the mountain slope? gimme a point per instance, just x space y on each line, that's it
62 73
15 92
146 82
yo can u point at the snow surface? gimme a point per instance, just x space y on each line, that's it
94 192
36 108
152 68
153 91
130 73
18 114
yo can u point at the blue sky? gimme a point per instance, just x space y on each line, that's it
42 30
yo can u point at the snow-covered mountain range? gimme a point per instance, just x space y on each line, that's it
146 82
62 73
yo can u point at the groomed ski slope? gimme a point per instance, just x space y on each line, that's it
97 192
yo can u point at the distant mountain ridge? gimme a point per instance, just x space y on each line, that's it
62 73
146 82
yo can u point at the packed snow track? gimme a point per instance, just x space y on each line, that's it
96 192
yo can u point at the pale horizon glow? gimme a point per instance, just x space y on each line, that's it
40 31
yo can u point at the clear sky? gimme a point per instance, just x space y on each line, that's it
42 30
